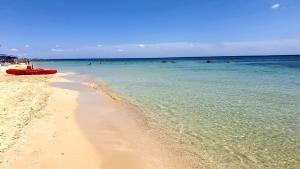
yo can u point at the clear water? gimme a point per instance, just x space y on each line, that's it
242 114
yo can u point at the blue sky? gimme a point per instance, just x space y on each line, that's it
149 28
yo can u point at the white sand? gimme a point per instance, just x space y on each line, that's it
38 127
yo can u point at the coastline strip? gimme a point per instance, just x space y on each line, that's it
80 127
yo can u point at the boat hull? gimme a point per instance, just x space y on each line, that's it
30 71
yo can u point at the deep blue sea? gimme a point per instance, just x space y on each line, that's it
237 112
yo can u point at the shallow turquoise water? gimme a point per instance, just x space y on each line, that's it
242 114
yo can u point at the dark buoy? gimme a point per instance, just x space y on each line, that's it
208 61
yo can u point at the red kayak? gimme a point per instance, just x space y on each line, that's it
30 71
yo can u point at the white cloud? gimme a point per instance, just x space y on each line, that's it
27 46
14 49
56 50
275 6
141 45
184 49
99 45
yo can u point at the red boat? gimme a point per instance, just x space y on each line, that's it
30 71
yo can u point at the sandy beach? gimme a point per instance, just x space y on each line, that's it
150 84
38 126
51 122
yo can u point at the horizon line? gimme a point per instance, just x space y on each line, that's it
116 58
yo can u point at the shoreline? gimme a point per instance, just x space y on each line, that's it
44 142
129 122
174 141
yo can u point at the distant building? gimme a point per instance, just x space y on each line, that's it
8 58
4 58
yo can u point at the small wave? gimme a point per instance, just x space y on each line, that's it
101 87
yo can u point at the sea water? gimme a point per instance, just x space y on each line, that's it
236 112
